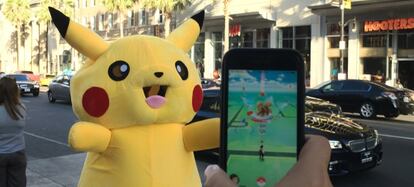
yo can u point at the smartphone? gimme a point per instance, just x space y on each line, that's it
262 117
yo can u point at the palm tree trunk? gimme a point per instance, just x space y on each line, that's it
17 47
39 51
226 26
121 24
47 47
167 24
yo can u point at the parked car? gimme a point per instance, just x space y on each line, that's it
366 98
59 89
354 146
45 80
30 74
207 83
407 106
26 84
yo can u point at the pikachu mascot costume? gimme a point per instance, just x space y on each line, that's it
133 98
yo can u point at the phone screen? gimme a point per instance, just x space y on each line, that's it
261 126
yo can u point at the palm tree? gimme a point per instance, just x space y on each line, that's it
43 17
167 7
119 6
226 25
18 13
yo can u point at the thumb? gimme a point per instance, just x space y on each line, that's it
216 177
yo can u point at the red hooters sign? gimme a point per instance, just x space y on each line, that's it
391 24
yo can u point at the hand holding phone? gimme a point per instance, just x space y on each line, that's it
262 114
310 171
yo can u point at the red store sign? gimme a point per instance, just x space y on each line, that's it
389 25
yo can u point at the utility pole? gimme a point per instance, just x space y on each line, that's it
342 44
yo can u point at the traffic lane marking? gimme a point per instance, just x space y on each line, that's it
46 139
398 137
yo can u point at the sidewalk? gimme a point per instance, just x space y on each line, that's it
60 171
64 171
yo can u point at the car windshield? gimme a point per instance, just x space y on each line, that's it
20 77
321 84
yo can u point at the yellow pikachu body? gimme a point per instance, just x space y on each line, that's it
133 98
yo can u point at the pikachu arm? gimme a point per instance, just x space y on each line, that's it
202 135
89 137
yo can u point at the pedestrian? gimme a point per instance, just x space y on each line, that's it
12 145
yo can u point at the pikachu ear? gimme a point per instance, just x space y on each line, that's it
186 34
82 39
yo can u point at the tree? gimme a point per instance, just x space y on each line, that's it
226 25
18 13
43 17
119 6
167 7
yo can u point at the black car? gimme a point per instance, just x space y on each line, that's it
26 85
59 88
354 146
208 83
364 97
407 105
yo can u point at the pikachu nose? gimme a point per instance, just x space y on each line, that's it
158 74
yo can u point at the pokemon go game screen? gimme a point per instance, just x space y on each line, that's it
261 134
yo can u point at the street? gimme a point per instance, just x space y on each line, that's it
48 125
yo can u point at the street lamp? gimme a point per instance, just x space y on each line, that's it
342 46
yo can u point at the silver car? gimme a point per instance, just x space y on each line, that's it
59 88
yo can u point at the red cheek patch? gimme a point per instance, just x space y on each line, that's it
95 101
197 98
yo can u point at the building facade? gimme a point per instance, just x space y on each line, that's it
93 14
312 27
44 51
257 24
379 36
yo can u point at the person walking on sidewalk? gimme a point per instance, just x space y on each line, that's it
12 145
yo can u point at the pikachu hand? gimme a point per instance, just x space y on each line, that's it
89 137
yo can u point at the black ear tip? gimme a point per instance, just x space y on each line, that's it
60 20
199 18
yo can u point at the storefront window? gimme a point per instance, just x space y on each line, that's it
374 40
298 38
376 68
336 67
248 39
218 49
235 42
199 54
406 39
262 38
287 37
334 35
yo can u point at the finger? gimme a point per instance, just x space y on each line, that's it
215 177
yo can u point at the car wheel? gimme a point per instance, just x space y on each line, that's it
50 97
367 110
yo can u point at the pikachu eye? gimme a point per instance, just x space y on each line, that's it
182 70
118 70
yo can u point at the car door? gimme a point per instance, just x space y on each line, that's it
57 91
330 92
352 95
65 88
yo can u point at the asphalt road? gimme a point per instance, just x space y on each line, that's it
48 126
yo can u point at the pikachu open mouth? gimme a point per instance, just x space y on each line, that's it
155 95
